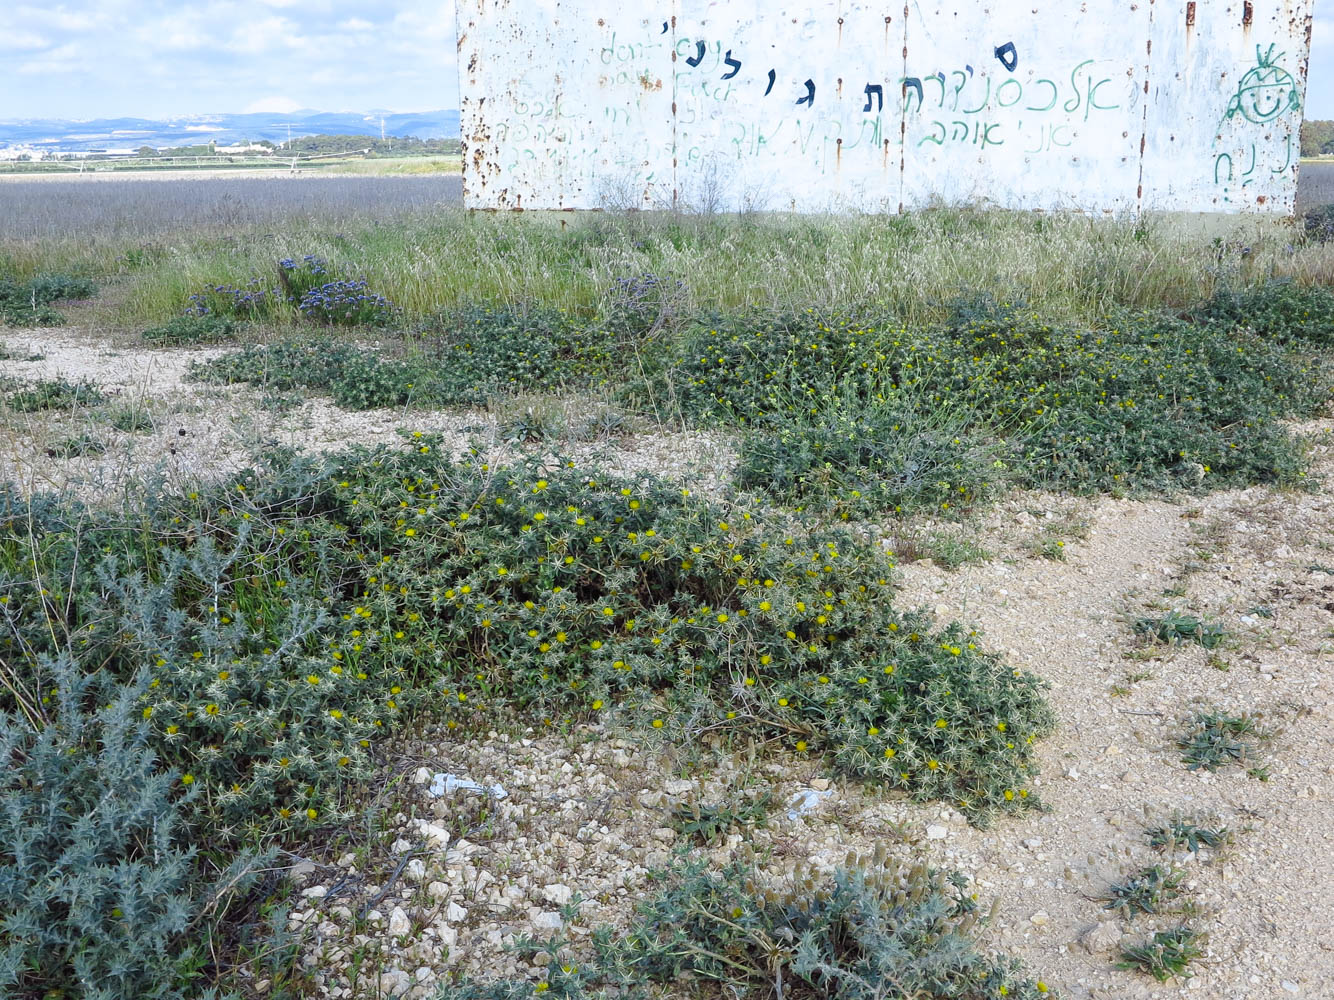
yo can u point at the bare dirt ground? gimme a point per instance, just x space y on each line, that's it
454 879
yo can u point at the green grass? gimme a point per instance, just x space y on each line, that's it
1069 268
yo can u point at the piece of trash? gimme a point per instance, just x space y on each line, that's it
805 801
448 784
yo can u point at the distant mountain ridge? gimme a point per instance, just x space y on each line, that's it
225 129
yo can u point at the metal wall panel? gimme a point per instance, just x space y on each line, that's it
1099 106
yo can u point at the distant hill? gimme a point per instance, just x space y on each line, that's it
121 133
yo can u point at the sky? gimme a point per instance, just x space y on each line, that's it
167 58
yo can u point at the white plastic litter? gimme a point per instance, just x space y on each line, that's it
448 784
806 801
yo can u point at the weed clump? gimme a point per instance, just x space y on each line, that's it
192 329
871 925
55 394
1216 739
306 286
1166 955
30 303
1182 832
1176 628
1148 891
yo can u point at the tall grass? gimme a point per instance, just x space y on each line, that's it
411 241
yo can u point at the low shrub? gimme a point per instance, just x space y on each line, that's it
29 303
192 329
251 301
1302 315
306 286
861 461
1318 222
345 302
103 892
48 288
1146 403
870 927
478 352
293 617
309 363
55 394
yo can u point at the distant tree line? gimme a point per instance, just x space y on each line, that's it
395 146
1317 138
323 145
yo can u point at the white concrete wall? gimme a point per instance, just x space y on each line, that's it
1099 106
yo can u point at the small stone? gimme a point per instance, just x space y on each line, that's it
1290 986
302 869
650 799
401 846
557 893
1102 936
437 890
1033 843
547 921
436 835
1040 919
399 924
679 787
315 892
347 860
820 784
937 832
664 834
416 870
395 983
422 776
454 913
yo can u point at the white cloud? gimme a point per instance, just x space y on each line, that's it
23 41
195 56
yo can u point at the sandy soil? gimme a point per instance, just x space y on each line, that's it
460 876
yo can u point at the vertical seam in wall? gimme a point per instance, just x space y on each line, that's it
671 68
1306 11
903 114
1144 128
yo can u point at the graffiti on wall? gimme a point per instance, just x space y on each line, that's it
1034 105
1265 94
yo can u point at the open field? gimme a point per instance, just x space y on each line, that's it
475 608
1317 184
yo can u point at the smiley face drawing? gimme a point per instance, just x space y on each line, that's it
1266 91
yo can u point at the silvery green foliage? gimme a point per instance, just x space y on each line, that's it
99 888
